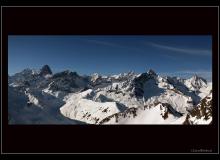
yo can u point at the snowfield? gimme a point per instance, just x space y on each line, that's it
80 107
154 115
41 97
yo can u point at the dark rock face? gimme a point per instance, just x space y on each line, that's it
203 109
125 113
138 82
45 70
68 81
151 72
171 110
66 73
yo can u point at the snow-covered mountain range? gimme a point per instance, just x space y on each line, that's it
41 97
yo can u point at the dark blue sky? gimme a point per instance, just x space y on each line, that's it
168 55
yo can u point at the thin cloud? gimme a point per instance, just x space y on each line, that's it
111 44
200 52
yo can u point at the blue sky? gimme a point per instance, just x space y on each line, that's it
168 55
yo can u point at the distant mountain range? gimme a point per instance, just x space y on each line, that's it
41 97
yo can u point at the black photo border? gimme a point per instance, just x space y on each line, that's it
109 20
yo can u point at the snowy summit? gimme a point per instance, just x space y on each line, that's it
44 97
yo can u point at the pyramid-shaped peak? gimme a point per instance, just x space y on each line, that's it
45 70
197 81
197 78
151 72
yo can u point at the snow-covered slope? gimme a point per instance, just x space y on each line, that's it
28 103
161 113
98 99
82 107
198 85
30 109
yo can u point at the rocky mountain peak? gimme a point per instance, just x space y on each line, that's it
151 72
45 70
197 81
198 78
